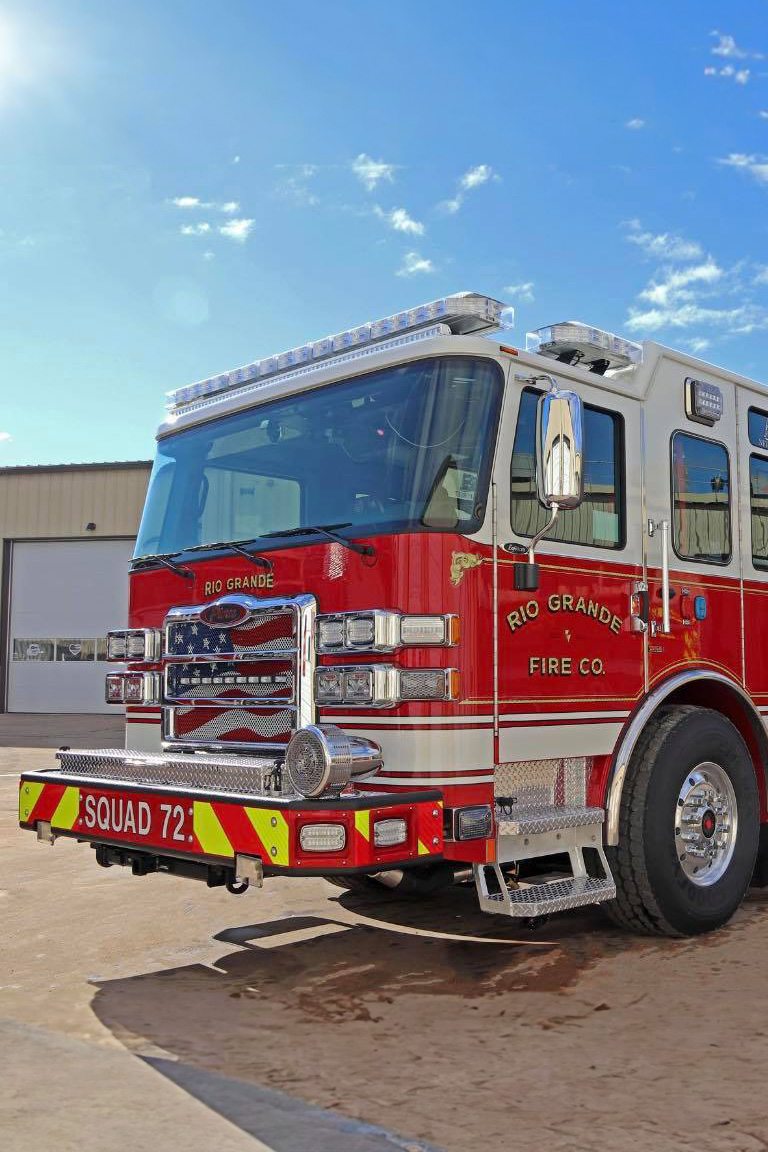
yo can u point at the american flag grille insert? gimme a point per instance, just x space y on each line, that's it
265 632
263 682
235 725
249 685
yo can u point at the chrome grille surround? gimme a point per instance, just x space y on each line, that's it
279 631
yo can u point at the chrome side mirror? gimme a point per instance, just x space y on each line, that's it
559 466
559 449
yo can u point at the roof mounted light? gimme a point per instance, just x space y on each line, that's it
462 313
572 342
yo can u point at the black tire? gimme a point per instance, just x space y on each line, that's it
654 895
412 882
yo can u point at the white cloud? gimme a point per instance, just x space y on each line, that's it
741 320
763 114
195 229
209 255
238 230
472 178
756 166
676 286
699 344
521 292
663 245
413 264
399 219
294 187
370 172
235 159
5 436
476 176
451 206
186 202
636 124
727 46
761 276
739 75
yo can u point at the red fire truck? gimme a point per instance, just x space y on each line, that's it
410 604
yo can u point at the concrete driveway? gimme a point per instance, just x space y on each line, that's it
154 1013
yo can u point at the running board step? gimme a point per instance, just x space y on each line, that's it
538 834
553 896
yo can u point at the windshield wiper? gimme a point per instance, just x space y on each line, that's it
326 530
166 559
238 546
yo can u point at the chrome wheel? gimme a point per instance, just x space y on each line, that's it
706 823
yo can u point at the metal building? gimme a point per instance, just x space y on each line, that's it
67 532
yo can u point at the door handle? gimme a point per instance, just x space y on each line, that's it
666 596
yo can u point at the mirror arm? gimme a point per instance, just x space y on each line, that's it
542 533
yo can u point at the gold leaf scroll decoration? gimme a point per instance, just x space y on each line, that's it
461 562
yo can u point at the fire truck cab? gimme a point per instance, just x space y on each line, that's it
410 604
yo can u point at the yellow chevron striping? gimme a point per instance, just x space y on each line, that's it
67 809
272 829
423 850
363 824
29 794
209 832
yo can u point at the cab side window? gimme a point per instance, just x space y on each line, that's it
758 508
598 522
701 499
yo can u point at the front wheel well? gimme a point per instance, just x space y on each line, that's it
731 704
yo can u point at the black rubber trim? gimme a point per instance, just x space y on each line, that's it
338 803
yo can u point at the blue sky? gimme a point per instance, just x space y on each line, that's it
187 186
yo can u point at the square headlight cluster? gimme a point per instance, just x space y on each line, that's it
132 688
384 686
129 644
384 631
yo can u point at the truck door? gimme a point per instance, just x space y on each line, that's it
692 476
571 667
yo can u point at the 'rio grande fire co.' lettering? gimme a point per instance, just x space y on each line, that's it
565 665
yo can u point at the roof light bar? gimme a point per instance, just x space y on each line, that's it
572 342
461 313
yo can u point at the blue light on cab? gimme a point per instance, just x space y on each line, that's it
700 607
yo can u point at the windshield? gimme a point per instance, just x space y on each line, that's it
408 448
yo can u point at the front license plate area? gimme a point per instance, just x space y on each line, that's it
136 817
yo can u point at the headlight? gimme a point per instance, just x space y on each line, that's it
323 838
324 759
383 685
473 823
382 630
132 688
133 644
387 833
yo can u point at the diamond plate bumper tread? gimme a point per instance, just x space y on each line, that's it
246 775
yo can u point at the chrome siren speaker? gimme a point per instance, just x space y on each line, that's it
323 760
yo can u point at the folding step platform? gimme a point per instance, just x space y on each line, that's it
537 833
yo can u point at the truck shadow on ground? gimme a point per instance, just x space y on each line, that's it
364 957
305 1004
